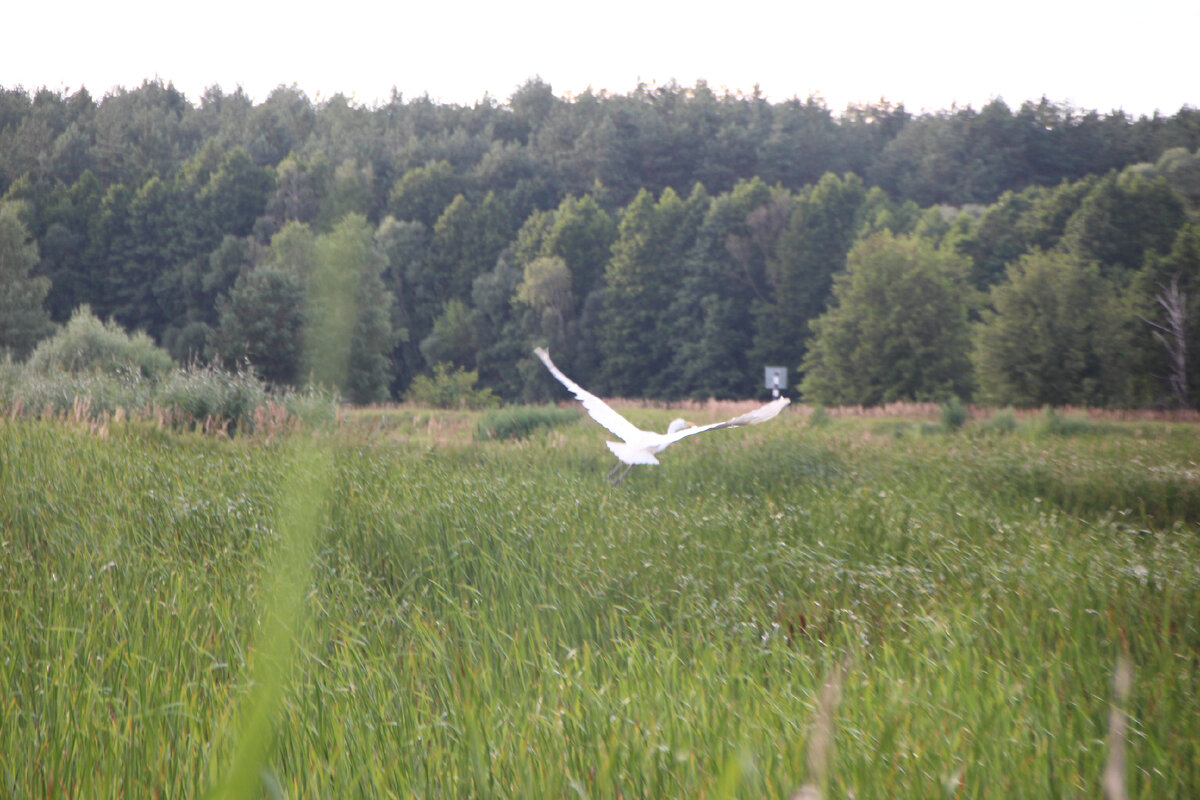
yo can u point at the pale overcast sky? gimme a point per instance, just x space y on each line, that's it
928 54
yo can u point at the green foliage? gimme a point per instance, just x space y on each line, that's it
57 393
348 192
422 193
23 318
1179 267
314 406
200 393
452 339
1181 170
205 396
261 323
898 329
148 208
87 345
638 286
467 239
810 248
711 320
953 413
235 195
1054 333
519 422
348 337
581 233
547 286
1121 219
450 387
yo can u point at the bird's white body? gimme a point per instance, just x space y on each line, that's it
638 446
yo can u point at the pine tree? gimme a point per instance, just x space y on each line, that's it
23 318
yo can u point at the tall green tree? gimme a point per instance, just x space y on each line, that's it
467 239
545 292
820 227
404 246
1055 332
294 247
349 191
347 302
711 317
23 318
897 329
581 233
499 325
1166 280
261 322
294 197
640 281
1122 218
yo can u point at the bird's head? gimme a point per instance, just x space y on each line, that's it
679 424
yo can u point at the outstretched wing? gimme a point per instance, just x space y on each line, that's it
600 411
761 414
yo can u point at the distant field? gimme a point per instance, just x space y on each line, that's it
393 609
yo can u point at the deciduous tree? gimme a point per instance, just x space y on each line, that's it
897 329
1053 333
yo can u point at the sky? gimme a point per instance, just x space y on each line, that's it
926 54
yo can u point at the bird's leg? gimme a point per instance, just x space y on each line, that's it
620 477
613 471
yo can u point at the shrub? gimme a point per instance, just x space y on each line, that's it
517 422
87 345
450 389
954 413
219 400
212 394
58 392
315 406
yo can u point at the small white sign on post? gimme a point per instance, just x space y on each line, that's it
776 379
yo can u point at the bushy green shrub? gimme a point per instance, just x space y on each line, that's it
216 399
450 388
954 413
197 394
517 422
314 406
87 345
56 392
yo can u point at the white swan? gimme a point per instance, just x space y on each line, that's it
638 446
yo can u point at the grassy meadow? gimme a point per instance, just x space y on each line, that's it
867 607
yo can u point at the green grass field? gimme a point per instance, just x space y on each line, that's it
391 609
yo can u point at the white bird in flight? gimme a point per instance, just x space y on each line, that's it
638 446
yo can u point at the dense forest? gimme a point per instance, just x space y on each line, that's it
666 243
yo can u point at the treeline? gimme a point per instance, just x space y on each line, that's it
665 243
